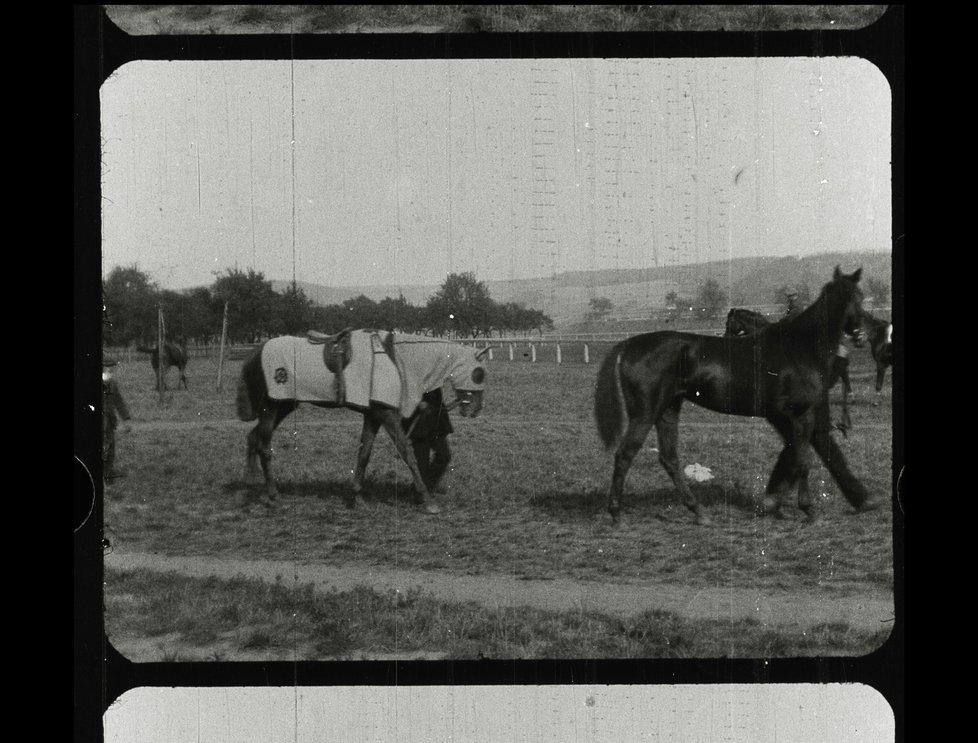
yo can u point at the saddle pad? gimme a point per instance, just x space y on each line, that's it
294 369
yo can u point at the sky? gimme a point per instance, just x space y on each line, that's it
735 713
398 172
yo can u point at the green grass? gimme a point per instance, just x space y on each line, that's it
177 618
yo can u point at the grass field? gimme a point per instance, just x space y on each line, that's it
526 496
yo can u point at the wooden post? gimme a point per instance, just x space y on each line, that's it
587 360
159 350
533 353
510 351
224 335
558 353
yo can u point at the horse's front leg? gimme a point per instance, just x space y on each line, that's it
802 428
880 374
780 482
835 462
367 436
392 425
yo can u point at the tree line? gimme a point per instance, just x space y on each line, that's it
462 307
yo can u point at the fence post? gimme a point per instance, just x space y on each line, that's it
159 350
224 335
533 353
510 351
587 360
558 353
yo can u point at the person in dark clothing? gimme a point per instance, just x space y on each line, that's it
113 408
428 428
794 304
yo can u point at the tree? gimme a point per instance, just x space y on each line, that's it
291 311
711 299
251 304
463 305
200 315
399 314
600 308
130 314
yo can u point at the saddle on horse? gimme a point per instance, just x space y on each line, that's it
337 352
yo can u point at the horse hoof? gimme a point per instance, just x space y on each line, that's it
772 507
432 508
871 504
703 520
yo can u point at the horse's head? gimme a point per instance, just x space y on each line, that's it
744 322
734 325
468 378
843 292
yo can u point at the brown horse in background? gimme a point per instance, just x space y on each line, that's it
777 373
174 354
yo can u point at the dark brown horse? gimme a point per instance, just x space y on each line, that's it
742 321
174 354
429 362
778 373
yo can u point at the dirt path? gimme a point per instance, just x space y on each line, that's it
870 612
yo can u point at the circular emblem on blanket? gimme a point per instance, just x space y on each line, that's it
478 375
281 375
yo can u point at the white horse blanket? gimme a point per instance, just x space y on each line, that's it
294 369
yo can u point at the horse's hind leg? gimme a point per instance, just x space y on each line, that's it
631 444
260 444
668 431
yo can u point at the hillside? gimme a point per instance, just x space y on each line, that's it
636 292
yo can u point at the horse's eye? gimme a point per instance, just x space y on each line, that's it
478 375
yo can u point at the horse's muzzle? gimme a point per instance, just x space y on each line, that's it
469 403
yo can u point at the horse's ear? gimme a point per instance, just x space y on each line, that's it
856 276
837 274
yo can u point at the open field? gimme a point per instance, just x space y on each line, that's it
526 501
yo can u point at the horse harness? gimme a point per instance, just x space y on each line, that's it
337 352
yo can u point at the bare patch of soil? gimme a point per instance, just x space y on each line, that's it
780 608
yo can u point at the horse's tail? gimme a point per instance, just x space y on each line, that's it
146 349
251 387
607 398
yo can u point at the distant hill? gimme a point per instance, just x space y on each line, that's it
636 292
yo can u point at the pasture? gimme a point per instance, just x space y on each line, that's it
526 501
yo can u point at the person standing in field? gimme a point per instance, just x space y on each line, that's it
113 408
428 428
794 305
